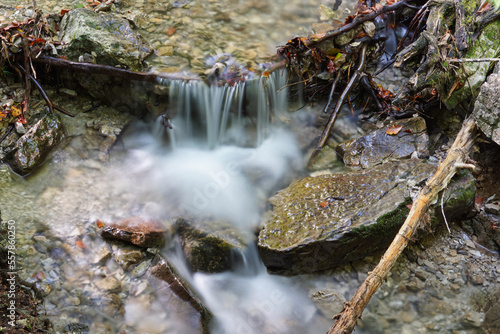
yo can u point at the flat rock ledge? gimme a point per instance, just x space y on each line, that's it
137 231
322 222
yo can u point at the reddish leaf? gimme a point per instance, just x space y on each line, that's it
324 204
38 275
486 6
171 31
331 66
478 200
64 11
99 223
80 244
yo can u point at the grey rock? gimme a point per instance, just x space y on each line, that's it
328 301
33 147
378 146
487 108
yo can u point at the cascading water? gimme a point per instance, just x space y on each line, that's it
230 153
214 115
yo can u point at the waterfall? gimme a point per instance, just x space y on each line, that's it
215 114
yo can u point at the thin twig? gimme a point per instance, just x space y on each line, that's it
350 85
442 211
334 84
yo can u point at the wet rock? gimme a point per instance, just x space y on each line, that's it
472 319
33 147
322 222
136 230
328 301
111 304
487 108
76 328
110 38
491 324
383 145
128 257
109 284
177 294
209 247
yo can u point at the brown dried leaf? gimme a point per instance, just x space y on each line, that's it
393 129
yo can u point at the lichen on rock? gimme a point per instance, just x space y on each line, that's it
322 222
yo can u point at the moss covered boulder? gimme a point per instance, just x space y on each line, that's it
33 147
322 222
211 246
102 38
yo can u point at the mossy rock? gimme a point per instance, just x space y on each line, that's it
322 222
209 247
110 38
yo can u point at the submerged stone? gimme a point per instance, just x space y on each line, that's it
136 230
209 247
179 297
33 147
395 141
322 222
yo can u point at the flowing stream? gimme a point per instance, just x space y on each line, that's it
229 149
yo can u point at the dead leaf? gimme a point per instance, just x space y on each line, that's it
393 129
80 244
171 31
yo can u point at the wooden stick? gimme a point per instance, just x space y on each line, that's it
457 156
471 60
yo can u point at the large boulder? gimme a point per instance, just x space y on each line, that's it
33 147
322 222
487 108
107 39
394 141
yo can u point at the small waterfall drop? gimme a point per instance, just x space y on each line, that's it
216 115
229 153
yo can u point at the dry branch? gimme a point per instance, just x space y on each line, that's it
456 158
